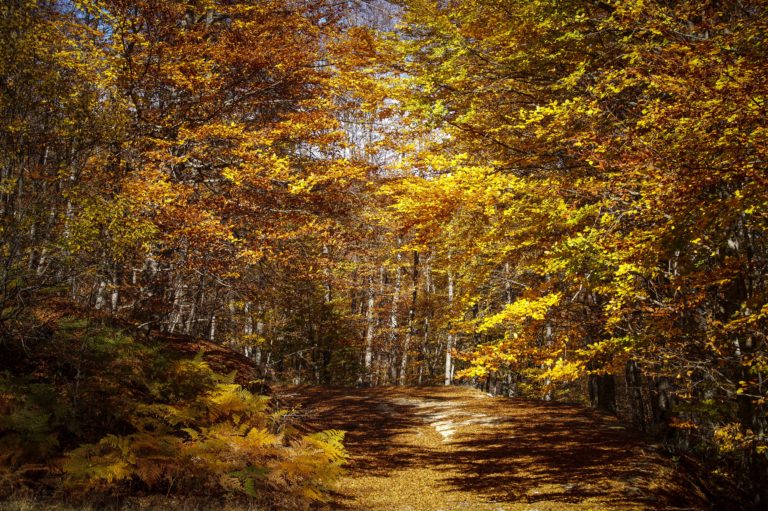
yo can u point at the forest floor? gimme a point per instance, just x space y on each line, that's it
455 448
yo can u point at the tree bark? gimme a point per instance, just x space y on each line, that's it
393 319
634 379
450 340
370 320
602 392
411 318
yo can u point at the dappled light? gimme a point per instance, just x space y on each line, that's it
255 253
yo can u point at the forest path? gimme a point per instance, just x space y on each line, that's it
455 448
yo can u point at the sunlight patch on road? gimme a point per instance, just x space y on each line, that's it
445 417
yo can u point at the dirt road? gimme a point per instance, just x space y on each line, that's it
450 449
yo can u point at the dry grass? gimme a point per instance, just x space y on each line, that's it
431 449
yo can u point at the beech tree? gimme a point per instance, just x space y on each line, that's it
595 170
549 199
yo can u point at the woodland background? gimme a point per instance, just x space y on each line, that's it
555 199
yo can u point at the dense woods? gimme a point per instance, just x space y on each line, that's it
554 199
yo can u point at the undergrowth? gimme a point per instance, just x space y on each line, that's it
95 413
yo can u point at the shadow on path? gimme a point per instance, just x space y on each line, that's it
521 453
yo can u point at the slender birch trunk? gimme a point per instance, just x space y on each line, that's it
370 320
247 329
393 319
260 333
411 318
450 341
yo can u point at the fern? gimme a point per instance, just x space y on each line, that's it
330 443
28 425
182 427
150 458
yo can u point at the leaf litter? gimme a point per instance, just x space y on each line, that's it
456 448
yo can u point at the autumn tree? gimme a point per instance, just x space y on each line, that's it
593 179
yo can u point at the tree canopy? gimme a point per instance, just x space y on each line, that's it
554 199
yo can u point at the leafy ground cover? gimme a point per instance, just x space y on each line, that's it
455 448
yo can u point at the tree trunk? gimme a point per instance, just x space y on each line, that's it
634 379
411 318
449 342
247 329
370 320
393 319
602 392
661 405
